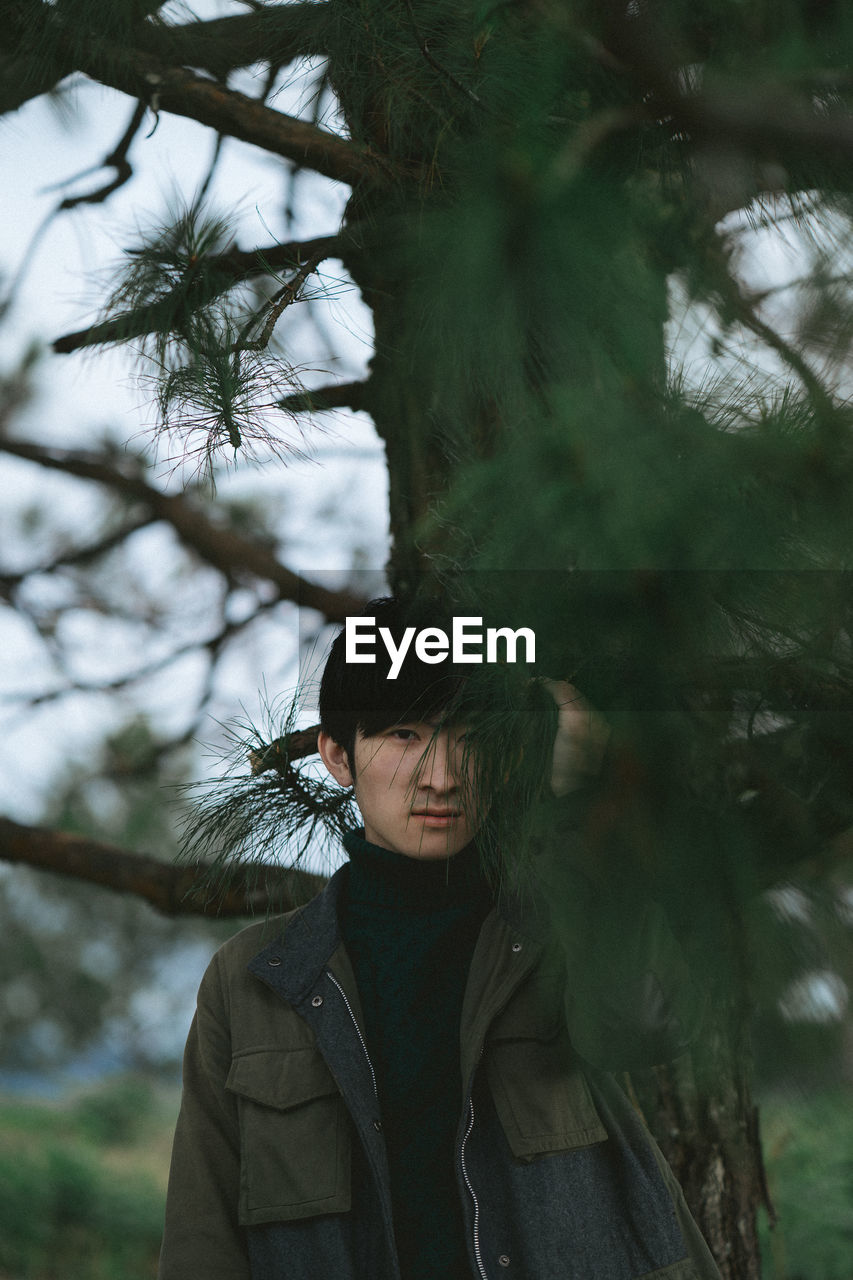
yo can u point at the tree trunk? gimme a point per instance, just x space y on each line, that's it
701 1112
707 1127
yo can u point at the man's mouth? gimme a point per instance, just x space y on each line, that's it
437 815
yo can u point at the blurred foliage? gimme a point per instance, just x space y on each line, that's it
76 1203
801 943
808 1140
79 964
118 1112
86 1205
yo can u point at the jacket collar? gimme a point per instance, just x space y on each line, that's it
293 961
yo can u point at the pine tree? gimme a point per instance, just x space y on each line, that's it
536 189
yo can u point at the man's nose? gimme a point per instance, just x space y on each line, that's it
440 770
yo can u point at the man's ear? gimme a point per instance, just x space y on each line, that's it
335 759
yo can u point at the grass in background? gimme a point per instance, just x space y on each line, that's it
82 1184
808 1150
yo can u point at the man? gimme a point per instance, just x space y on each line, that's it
402 1080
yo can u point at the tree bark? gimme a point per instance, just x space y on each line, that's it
702 1114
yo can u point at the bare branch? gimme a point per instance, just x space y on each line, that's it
221 271
173 890
213 644
821 401
184 93
228 551
120 682
281 752
76 556
341 395
287 294
745 307
117 159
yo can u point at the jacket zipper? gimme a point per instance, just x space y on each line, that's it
477 1250
335 982
358 1030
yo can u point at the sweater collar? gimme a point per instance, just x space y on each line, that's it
382 878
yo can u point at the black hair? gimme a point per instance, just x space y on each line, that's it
362 697
509 722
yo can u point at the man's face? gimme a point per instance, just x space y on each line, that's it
409 785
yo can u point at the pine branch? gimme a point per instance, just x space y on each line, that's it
183 93
23 78
239 889
229 552
792 680
776 124
278 34
29 66
173 890
423 45
121 65
774 121
221 271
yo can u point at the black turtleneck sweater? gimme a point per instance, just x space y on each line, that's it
410 926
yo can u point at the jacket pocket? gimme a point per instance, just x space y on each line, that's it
539 1090
541 1097
295 1140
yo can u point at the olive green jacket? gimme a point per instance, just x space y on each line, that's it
279 1169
